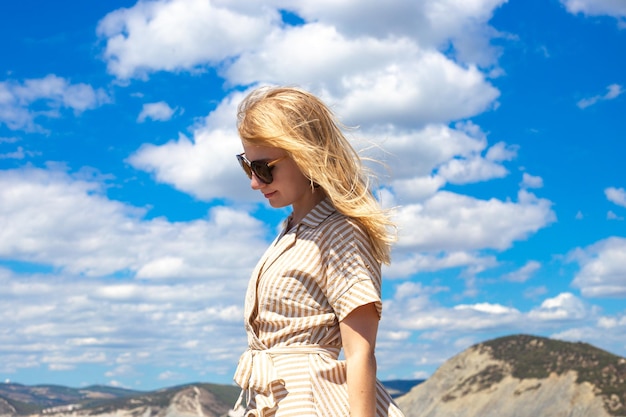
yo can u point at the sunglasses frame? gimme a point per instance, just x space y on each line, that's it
260 168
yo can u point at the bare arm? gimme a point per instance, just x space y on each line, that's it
358 333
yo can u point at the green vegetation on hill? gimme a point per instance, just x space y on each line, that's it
27 400
538 357
161 398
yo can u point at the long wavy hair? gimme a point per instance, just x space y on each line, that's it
301 124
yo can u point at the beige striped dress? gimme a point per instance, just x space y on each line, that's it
309 279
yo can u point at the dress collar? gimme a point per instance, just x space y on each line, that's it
319 213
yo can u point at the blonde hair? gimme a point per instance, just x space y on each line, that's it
301 124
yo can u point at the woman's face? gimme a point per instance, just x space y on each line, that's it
289 185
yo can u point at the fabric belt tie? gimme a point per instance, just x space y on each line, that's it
255 372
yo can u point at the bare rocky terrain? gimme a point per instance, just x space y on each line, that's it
523 376
514 376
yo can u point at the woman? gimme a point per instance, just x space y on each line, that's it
318 286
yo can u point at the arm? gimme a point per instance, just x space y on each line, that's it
358 333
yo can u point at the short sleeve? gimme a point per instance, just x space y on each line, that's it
352 275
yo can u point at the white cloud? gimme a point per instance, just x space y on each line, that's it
397 89
565 306
170 376
608 322
413 308
52 93
196 33
159 111
368 80
418 189
531 181
524 273
205 165
453 222
122 326
179 35
17 154
616 195
463 318
487 308
432 23
614 91
417 153
467 171
615 8
407 264
602 268
82 232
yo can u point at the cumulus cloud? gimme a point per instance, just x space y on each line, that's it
368 80
159 111
531 181
432 23
154 323
614 91
192 32
524 273
51 93
82 232
616 196
602 268
406 264
400 90
451 222
137 36
445 330
17 154
417 153
614 8
133 280
478 168
203 165
565 306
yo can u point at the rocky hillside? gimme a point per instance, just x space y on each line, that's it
523 376
195 400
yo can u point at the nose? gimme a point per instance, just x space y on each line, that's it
256 183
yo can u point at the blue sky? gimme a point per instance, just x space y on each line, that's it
128 232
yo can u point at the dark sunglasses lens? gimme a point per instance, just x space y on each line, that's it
262 171
244 165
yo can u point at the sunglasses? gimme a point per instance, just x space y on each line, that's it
261 169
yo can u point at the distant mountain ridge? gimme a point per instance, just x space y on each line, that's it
45 396
200 399
210 400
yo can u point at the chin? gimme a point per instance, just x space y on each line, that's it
277 204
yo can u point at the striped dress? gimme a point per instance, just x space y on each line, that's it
309 279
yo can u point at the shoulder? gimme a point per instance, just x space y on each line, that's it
328 227
340 234
338 225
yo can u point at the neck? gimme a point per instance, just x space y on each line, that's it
301 210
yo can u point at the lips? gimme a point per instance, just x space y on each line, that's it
268 195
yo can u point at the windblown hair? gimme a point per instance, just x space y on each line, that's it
300 123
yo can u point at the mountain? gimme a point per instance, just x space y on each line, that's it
202 400
523 376
194 400
513 376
